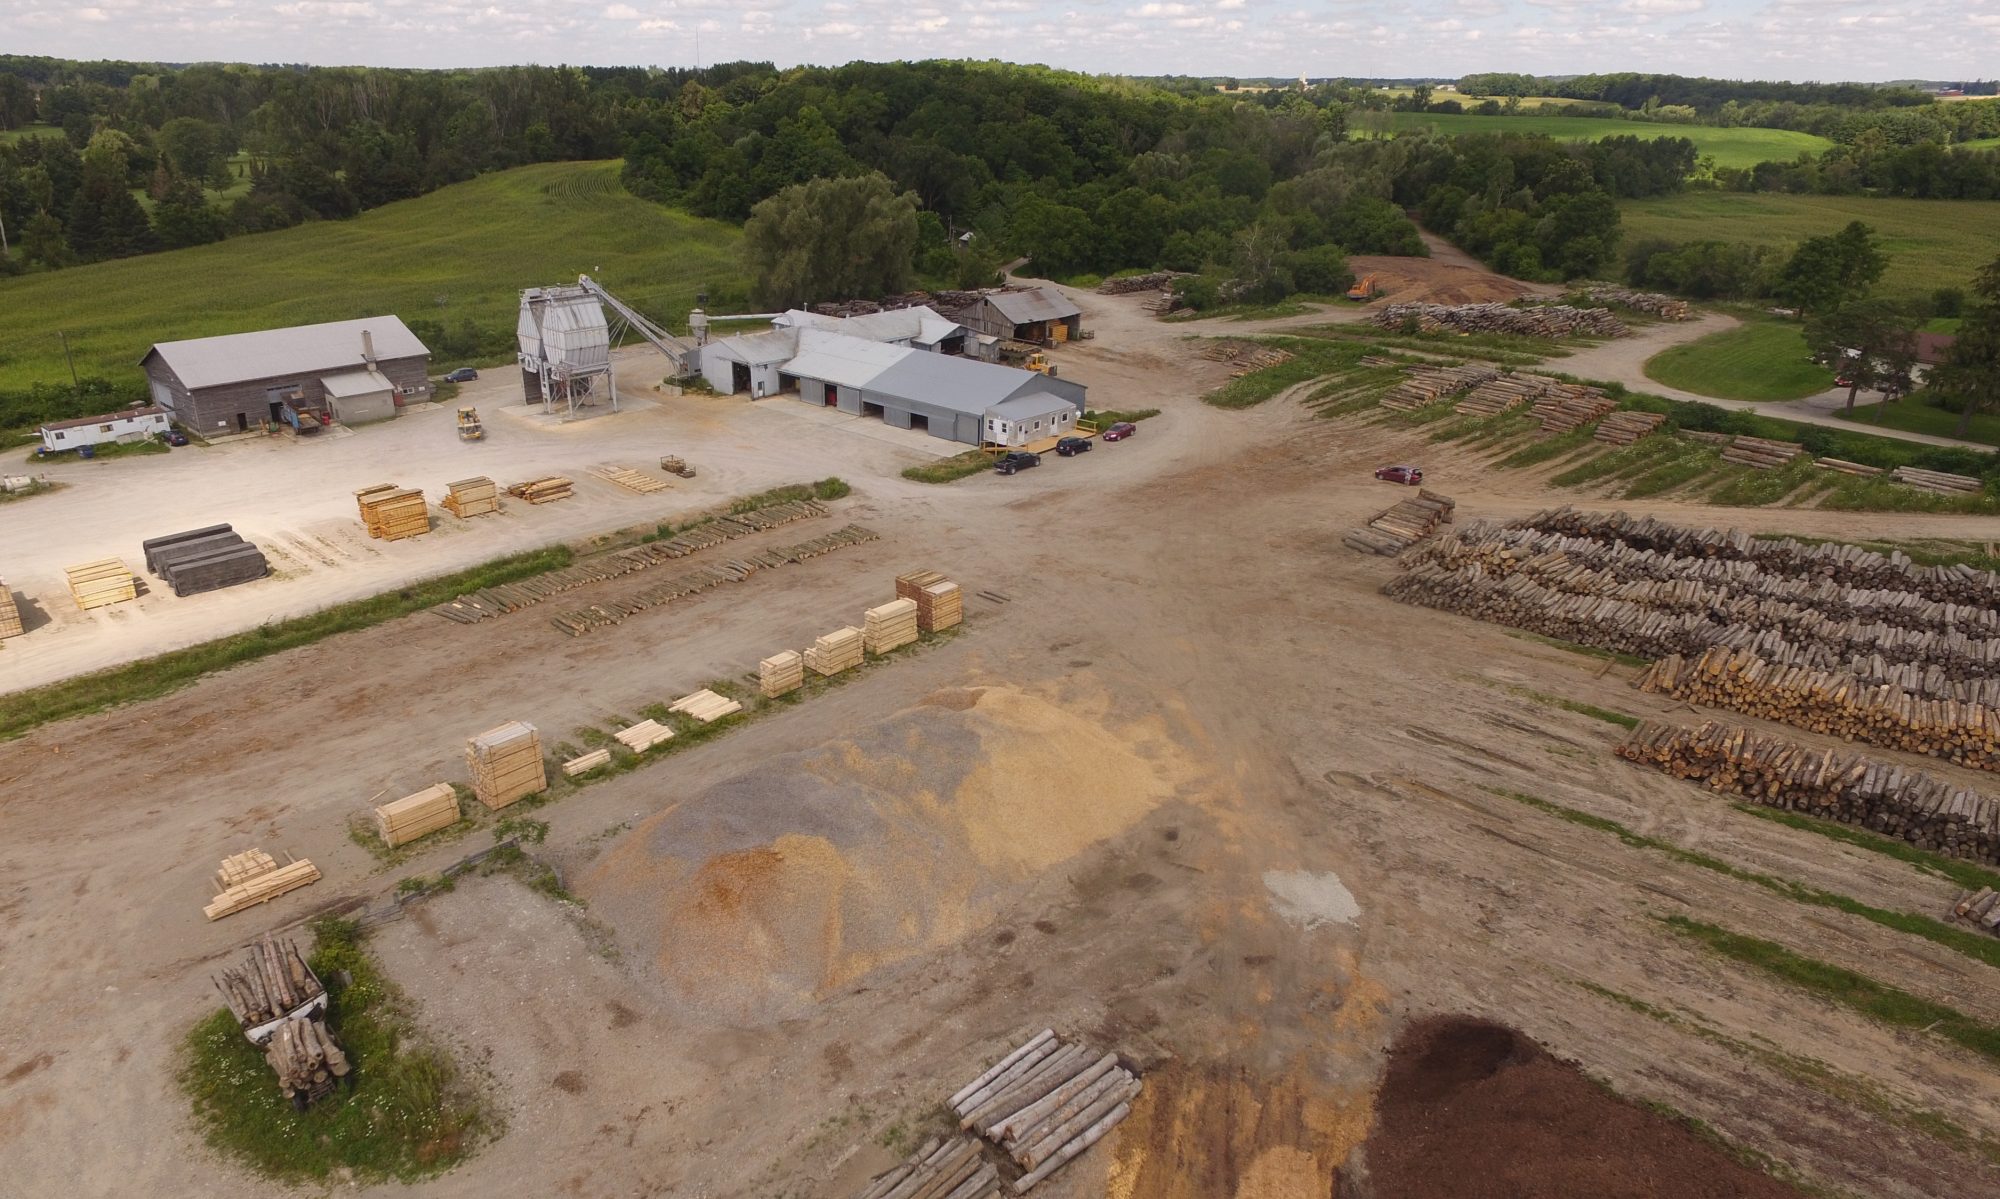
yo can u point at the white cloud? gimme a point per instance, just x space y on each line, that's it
624 12
1663 7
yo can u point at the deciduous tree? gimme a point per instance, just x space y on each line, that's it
1870 343
831 238
1969 377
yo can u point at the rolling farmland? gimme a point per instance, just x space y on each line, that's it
1740 147
458 253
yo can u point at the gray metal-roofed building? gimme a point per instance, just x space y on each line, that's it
962 400
240 381
1040 315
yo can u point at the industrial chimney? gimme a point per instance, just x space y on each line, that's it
367 347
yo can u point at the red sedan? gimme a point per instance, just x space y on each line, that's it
1120 431
1400 474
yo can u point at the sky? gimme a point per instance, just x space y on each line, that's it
1748 39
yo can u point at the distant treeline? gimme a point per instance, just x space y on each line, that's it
1629 89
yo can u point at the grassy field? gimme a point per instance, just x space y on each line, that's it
1984 143
462 252
1729 147
1920 414
1761 359
35 130
1930 243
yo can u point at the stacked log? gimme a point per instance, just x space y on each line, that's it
262 888
1046 1102
506 763
1847 468
1761 452
207 559
1548 320
889 626
1426 385
1396 529
392 513
1500 394
643 736
1248 356
1937 482
1624 428
273 981
10 613
101 583
781 674
942 1169
545 490
417 815
837 651
476 496
1980 909
705 706
1154 281
306 1059
1830 784
1652 303
1567 406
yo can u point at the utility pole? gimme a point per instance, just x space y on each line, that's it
4 252
75 384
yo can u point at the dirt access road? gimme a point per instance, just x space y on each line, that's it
1186 786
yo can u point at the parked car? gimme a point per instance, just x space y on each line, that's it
1017 460
1400 474
1120 431
463 374
1070 447
174 437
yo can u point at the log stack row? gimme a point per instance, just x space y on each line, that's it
1547 320
1567 406
1762 453
705 706
1831 784
1045 1103
1396 529
403 820
1247 356
1505 392
1128 284
1937 482
836 651
391 513
545 490
273 981
262 888
306 1059
1980 909
506 763
1624 428
1845 467
101 583
10 614
944 1168
476 496
889 626
1652 303
781 674
206 559
1426 385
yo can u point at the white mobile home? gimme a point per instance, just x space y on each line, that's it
133 423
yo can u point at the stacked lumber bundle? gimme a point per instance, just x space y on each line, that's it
10 614
1652 303
1566 406
491 602
673 464
890 626
545 490
1830 784
585 763
506 763
1497 395
642 736
239 868
1128 284
1046 1102
306 1059
1624 428
476 496
273 981
1164 304
734 570
781 674
392 513
939 602
1847 468
629 479
204 559
1426 385
944 1168
1547 320
1398 528
705 706
404 820
261 888
1761 452
1980 909
1937 482
101 583
837 651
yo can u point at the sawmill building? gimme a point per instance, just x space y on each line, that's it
356 371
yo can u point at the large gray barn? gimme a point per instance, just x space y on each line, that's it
358 370
1039 315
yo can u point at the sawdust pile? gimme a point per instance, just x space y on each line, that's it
1404 280
767 891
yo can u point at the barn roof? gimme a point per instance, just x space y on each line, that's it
843 361
959 384
920 323
1932 347
272 353
1035 403
349 384
1035 304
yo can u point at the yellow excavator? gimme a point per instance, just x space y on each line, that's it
1365 289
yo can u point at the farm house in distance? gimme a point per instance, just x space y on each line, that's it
355 371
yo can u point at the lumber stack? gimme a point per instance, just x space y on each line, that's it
272 981
837 651
1847 468
1396 529
705 706
239 868
1567 406
1831 784
207 559
392 513
889 626
101 583
939 602
642 736
476 496
585 763
1426 385
420 814
506 763
629 479
545 490
781 674
306 1059
10 613
1761 452
1546 320
1499 394
1652 303
946 1168
1936 482
262 888
1046 1102
1624 428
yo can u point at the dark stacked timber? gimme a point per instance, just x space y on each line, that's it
1937 482
1548 320
204 560
1830 784
1652 303
945 1168
1156 281
1396 529
1045 1103
1567 406
1624 428
1426 385
273 981
1762 453
1508 391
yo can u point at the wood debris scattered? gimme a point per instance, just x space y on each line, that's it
585 763
1624 428
781 674
506 763
476 496
1547 320
836 651
705 706
1761 452
1396 529
1567 406
1045 1103
889 626
1426 385
101 583
545 490
416 815
206 559
392 513
643 736
631 480
1502 393
261 888
1937 482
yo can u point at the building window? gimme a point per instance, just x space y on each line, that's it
104 428
59 435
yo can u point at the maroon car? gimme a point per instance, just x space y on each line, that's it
1120 431
1400 474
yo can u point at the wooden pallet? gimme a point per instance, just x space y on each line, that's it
631 480
101 583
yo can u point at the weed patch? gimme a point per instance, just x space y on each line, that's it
948 470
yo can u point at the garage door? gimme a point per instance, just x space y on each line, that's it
163 395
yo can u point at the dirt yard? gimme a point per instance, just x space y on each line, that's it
1191 790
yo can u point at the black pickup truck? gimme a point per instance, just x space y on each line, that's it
1016 460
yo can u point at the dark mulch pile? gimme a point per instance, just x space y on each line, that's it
1474 1110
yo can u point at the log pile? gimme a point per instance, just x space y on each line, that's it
417 815
1980 909
476 496
1246 355
261 888
506 763
101 583
889 626
1624 428
1762 453
705 706
837 651
643 736
1548 320
1400 527
947 1168
1831 784
585 763
1937 482
392 513
545 490
1045 1103
939 603
1671 308
510 597
1847 468
781 674
1497 395
10 614
206 559
1155 281
1426 385
306 1059
273 981
1567 406
629 479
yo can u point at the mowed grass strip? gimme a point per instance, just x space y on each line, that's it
1761 359
1930 243
1921 413
463 252
1736 147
